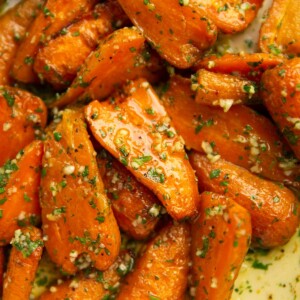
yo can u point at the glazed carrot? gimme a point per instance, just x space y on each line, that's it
2 261
93 284
77 218
180 33
280 33
54 16
23 262
220 240
19 191
161 272
222 90
22 115
121 56
136 208
137 131
281 96
230 17
274 209
250 66
240 136
54 63
15 22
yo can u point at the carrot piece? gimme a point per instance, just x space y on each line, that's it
230 17
240 136
179 33
274 209
220 240
280 33
76 215
15 21
2 261
137 131
93 284
136 208
54 16
121 56
281 96
54 63
250 66
19 189
21 115
23 262
222 90
161 272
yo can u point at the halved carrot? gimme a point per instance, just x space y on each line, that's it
121 56
280 33
223 90
230 17
180 33
136 208
220 240
23 262
53 17
281 96
274 209
161 272
137 131
13 26
240 136
22 115
2 261
54 63
77 218
19 191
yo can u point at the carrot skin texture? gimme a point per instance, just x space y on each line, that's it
180 33
19 204
168 255
21 113
220 240
54 61
53 17
281 96
128 197
274 209
22 267
144 141
76 214
15 21
232 134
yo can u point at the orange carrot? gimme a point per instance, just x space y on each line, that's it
2 262
137 131
220 241
274 209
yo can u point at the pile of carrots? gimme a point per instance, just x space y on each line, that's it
149 135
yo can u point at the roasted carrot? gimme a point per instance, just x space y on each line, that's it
250 66
240 136
19 191
280 33
54 63
180 33
2 261
136 208
22 116
281 96
230 17
223 90
161 272
23 262
77 218
274 209
137 131
121 56
53 17
220 240
15 22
